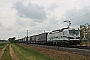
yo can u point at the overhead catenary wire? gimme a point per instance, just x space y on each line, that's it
79 16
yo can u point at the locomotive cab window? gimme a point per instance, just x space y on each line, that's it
73 32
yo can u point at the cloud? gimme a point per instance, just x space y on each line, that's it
1 24
32 11
20 22
78 16
53 20
32 23
53 6
39 15
25 22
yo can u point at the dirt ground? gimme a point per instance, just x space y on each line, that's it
1 53
59 55
13 54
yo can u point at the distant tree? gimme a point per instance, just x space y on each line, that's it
81 31
85 33
12 40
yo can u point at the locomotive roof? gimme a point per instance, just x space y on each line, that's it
63 29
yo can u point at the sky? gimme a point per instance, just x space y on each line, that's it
37 16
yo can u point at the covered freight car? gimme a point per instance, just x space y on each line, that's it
34 39
42 38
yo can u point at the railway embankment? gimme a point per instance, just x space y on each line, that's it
67 49
52 52
75 50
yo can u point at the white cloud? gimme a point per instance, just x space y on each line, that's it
39 15
79 16
53 6
32 11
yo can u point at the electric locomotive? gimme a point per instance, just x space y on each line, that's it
64 36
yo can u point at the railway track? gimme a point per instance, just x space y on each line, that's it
77 49
82 47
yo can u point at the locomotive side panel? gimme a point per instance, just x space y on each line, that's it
57 38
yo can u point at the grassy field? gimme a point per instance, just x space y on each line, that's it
6 55
2 45
59 55
28 54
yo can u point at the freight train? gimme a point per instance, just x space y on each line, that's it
61 37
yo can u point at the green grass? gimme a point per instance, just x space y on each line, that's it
6 54
2 45
28 54
59 55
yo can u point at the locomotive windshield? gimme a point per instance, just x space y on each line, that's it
73 32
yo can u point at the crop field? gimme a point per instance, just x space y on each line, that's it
2 45
6 54
28 52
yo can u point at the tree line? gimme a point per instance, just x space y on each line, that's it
85 33
12 40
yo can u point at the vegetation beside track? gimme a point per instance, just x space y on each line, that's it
6 54
28 54
2 45
59 55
